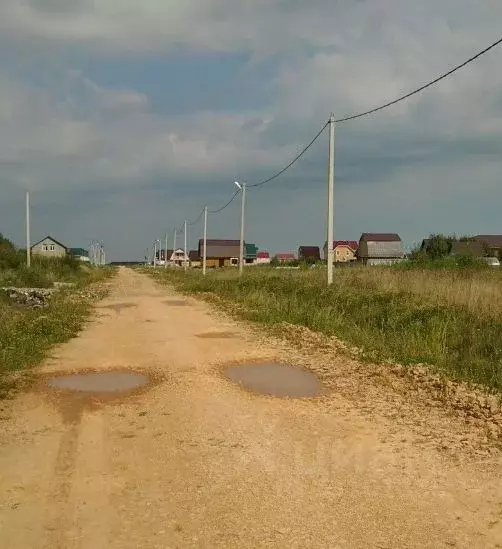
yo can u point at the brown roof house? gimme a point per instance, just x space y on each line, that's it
309 253
194 258
344 250
220 253
380 248
492 244
470 248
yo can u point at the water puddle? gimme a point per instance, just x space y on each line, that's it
217 335
273 379
118 307
175 302
100 382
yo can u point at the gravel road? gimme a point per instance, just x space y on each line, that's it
194 460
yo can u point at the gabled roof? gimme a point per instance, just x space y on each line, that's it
53 240
493 240
217 242
263 255
78 252
352 244
380 237
193 255
309 251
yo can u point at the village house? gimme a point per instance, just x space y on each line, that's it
380 248
174 257
492 244
194 258
49 247
220 253
263 258
344 250
309 253
250 253
80 254
284 257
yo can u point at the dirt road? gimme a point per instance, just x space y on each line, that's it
193 460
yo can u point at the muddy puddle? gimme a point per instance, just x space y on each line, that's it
100 382
274 379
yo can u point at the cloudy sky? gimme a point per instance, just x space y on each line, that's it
123 117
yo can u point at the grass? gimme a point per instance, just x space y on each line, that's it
448 318
27 335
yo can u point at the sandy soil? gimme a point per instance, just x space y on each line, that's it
193 460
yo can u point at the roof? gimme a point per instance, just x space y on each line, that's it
352 244
263 255
467 248
193 255
220 249
79 252
493 240
53 240
250 249
309 251
285 255
380 237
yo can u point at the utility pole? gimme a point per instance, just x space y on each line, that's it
165 255
174 245
204 255
331 198
155 254
28 239
185 232
243 208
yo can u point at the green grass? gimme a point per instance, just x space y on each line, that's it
447 318
27 335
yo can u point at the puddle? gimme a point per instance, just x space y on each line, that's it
273 379
100 382
216 335
175 302
119 306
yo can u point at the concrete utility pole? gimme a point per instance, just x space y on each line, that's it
331 198
242 187
185 258
165 255
204 255
174 244
28 238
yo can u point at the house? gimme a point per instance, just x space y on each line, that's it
492 244
344 250
220 253
262 258
80 254
284 257
380 248
194 258
49 247
469 248
310 254
250 252
174 257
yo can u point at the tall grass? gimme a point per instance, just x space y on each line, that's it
451 319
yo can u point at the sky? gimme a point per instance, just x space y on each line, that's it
125 118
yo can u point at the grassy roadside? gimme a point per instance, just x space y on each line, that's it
451 319
26 335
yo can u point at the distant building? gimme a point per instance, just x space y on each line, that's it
284 257
250 252
49 247
492 244
380 248
469 248
344 250
220 253
194 258
262 258
80 254
309 253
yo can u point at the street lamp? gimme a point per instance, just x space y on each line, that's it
242 188
155 252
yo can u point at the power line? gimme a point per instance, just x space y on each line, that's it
297 157
197 220
227 204
425 86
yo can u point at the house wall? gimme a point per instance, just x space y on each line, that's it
375 249
53 249
381 261
215 262
344 254
263 260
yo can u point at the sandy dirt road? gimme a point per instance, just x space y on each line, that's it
195 461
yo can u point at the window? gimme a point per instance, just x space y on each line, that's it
45 247
234 261
52 247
